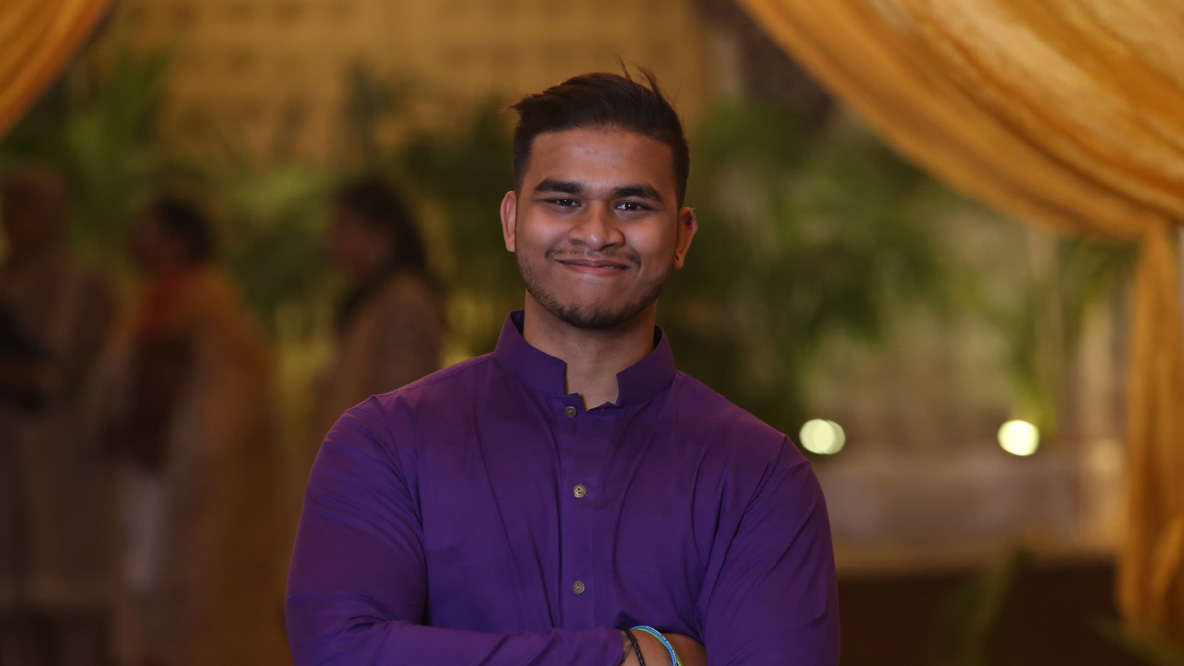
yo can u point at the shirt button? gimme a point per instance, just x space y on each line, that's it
578 587
579 491
569 412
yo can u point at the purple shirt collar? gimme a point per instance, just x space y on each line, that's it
541 372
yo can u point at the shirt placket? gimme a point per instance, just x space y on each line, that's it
581 460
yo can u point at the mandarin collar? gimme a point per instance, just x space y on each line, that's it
542 372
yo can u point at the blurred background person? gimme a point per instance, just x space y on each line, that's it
196 434
55 317
391 322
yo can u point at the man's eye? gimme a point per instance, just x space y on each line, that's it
632 206
565 203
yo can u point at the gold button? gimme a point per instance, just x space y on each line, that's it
569 412
578 587
579 491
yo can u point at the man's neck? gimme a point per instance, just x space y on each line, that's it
593 357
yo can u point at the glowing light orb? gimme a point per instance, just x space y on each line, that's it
823 437
1019 438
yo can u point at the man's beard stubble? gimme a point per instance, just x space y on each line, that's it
585 317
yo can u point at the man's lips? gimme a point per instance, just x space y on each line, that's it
594 266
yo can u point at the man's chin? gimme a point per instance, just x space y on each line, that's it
595 317
589 307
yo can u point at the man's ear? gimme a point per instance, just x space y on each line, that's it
688 224
509 212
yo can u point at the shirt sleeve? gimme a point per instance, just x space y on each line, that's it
357 586
774 598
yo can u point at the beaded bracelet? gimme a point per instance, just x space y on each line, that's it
658 635
636 647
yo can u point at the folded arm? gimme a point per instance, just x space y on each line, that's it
771 597
357 587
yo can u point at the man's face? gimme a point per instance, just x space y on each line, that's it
596 226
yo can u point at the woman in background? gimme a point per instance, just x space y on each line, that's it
391 323
196 435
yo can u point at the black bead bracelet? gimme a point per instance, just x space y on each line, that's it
636 647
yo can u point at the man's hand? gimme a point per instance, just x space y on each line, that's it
689 650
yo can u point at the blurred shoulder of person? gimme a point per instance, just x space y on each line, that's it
391 323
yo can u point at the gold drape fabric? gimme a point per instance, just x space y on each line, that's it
1066 113
37 38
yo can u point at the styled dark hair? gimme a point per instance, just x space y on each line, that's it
382 208
602 100
185 222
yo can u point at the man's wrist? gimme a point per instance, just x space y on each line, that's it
652 650
657 635
626 648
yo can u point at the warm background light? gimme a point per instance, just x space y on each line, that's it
1019 438
823 437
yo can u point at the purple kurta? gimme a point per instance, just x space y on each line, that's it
482 516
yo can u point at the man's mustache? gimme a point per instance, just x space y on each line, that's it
626 258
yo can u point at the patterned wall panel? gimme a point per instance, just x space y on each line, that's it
248 67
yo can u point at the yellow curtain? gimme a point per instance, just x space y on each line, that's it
1067 113
38 38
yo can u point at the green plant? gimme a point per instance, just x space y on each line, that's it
803 239
464 175
272 226
1042 328
96 127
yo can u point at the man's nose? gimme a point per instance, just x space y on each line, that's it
597 228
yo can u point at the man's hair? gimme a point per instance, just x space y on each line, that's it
186 223
602 101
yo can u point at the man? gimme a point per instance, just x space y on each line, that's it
55 501
536 504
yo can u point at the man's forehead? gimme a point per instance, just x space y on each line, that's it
606 156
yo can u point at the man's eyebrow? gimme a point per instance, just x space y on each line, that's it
556 185
643 191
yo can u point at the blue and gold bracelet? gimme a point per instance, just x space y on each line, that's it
658 635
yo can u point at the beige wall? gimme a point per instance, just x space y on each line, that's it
259 70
